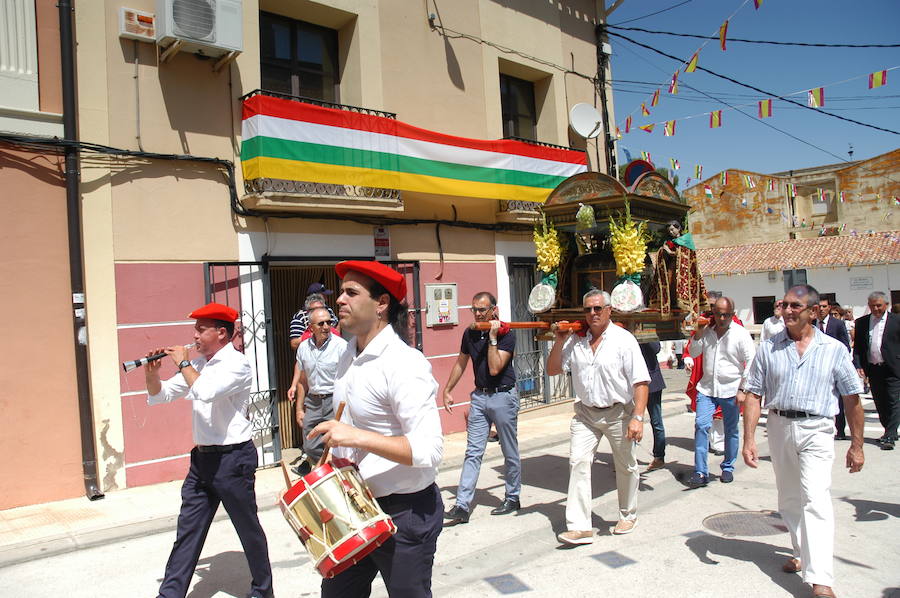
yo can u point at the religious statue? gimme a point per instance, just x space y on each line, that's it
677 283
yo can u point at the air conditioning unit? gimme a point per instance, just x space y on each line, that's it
208 27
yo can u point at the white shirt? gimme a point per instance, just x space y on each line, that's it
389 389
606 376
813 383
876 332
220 397
320 363
726 360
772 326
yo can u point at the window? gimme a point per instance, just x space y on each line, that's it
517 105
298 58
763 307
793 278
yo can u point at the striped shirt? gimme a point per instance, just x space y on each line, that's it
813 383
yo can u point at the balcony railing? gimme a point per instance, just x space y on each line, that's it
317 102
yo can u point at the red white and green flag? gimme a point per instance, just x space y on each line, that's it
715 119
646 156
772 185
723 177
842 197
290 140
708 191
816 97
749 182
765 108
674 164
877 79
698 171
792 190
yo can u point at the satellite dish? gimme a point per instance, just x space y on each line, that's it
585 120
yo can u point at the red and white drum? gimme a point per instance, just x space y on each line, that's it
334 514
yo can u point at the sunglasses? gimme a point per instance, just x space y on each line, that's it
593 308
796 306
325 323
481 310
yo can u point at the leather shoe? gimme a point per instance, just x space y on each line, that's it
657 463
509 505
792 566
887 445
698 480
727 477
457 515
822 592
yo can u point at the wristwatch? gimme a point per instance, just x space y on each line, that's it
183 364
640 418
493 342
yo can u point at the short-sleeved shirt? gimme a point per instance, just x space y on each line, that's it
607 376
475 344
300 322
320 363
813 383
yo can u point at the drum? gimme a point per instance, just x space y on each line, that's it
333 512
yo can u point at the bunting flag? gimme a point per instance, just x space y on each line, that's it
692 64
655 99
772 184
698 171
791 189
841 197
843 226
646 156
674 164
644 110
820 193
897 200
648 128
673 86
715 119
669 129
748 182
757 4
816 97
765 108
723 177
708 191
618 133
295 141
723 31
628 125
877 79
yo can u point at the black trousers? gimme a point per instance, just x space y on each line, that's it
886 394
229 478
405 561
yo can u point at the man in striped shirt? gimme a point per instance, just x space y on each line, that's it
803 373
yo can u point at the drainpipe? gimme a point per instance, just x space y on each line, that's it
76 269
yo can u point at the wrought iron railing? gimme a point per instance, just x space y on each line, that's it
317 102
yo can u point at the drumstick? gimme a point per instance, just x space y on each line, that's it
337 417
287 477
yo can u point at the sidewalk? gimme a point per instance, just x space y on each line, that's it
39 531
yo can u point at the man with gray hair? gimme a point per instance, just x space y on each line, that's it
610 379
877 355
803 373
727 353
315 297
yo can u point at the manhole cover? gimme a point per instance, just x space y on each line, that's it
745 523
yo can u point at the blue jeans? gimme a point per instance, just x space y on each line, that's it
731 413
501 409
654 407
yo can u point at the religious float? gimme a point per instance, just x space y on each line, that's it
625 237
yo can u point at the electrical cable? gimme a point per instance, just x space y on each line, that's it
755 41
748 86
654 13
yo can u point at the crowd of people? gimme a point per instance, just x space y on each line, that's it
807 371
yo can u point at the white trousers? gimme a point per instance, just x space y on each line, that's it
802 456
589 425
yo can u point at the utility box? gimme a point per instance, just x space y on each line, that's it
440 304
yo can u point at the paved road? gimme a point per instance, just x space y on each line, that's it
671 553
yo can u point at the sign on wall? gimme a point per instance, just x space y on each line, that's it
861 283
382 243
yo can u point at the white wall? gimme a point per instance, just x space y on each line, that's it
506 249
850 285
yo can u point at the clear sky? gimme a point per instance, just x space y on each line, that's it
743 142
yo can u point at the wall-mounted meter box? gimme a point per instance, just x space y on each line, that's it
440 304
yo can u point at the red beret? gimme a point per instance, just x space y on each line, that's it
215 311
390 279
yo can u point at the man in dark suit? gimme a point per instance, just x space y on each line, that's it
836 329
877 355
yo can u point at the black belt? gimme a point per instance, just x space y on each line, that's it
312 396
489 390
791 414
220 448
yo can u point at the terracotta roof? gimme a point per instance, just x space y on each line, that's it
846 250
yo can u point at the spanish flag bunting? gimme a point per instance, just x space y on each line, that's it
877 79
816 97
673 86
708 191
757 4
723 31
669 129
765 108
715 119
628 125
698 171
772 184
692 64
655 99
648 128
644 110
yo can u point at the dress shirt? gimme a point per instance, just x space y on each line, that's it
220 397
726 360
813 383
320 363
388 388
876 333
606 376
772 326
